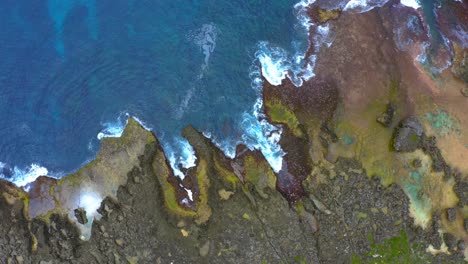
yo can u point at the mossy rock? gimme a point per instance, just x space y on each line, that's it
397 250
280 113
258 173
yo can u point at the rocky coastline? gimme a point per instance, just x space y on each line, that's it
376 171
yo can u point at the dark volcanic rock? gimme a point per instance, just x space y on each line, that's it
429 146
451 214
450 240
386 118
80 215
417 163
315 98
408 135
62 238
461 245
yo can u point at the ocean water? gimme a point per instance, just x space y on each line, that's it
72 71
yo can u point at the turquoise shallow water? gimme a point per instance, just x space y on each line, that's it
71 69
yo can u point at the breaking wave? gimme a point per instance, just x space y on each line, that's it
361 6
116 128
181 155
22 176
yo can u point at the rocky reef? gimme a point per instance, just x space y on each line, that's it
375 171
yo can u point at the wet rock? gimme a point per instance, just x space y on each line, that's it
108 205
450 240
451 214
464 91
80 215
408 135
461 245
205 249
386 118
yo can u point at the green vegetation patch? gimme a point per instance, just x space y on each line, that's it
259 174
279 113
324 15
394 250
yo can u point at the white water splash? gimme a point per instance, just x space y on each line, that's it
411 3
263 136
116 128
362 6
182 155
22 176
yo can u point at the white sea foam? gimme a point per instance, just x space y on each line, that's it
274 63
361 6
462 35
22 177
411 3
227 147
324 36
116 128
113 129
180 155
188 157
139 121
277 64
190 194
263 136
205 38
301 13
436 64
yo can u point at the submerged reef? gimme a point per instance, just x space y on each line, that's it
375 171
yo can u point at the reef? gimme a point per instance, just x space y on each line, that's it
375 171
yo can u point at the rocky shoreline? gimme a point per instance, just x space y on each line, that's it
375 172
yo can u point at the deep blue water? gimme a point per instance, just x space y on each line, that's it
70 68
